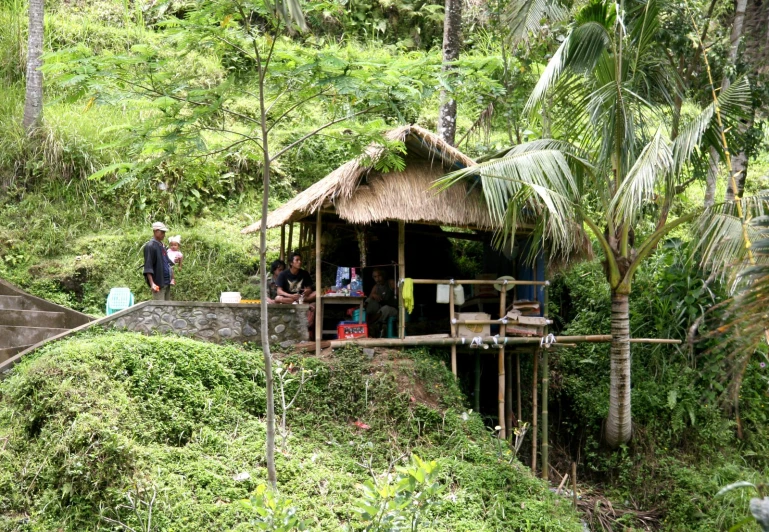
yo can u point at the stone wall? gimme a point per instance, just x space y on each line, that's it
215 322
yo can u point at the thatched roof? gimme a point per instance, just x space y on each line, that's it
362 195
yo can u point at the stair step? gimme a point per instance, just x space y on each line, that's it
32 318
8 352
12 302
11 336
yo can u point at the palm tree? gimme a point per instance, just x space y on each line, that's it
609 163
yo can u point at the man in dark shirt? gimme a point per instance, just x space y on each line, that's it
157 268
294 283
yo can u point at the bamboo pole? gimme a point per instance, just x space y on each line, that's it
289 248
301 236
574 483
501 366
482 281
477 384
453 329
318 290
518 385
402 275
509 395
534 414
509 341
283 242
489 322
545 420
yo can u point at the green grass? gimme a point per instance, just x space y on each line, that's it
92 419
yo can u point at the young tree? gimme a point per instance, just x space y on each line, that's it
33 101
610 162
283 79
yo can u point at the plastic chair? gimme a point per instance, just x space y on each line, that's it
119 299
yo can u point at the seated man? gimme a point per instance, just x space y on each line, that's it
294 283
276 268
381 304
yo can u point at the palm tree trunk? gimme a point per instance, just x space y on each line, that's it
452 26
618 424
33 103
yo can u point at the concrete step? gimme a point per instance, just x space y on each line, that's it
32 318
8 352
7 290
16 336
11 302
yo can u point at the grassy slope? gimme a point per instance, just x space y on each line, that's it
97 417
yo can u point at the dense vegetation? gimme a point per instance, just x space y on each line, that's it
99 418
80 426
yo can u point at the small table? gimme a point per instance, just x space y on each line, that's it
339 300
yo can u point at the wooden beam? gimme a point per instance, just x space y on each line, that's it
545 385
402 276
510 341
450 234
289 247
283 242
318 289
534 413
453 329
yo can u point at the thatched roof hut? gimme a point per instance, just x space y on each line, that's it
362 195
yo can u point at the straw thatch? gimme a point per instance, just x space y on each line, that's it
361 195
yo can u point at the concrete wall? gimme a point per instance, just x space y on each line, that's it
214 322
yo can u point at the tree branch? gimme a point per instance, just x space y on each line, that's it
298 104
321 128
611 261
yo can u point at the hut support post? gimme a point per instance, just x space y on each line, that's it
453 329
509 395
518 385
318 290
402 276
283 242
545 390
534 413
501 365
290 238
545 385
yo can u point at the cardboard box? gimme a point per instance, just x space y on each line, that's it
471 331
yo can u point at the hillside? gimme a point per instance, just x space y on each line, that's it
91 421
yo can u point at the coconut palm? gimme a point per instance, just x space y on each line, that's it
609 163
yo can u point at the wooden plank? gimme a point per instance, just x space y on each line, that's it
453 329
318 289
501 369
402 276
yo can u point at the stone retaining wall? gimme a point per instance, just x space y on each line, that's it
215 322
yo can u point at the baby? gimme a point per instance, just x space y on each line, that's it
174 253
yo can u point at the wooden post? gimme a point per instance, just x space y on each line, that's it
402 275
534 413
289 248
501 365
477 384
283 242
318 290
509 395
453 330
574 483
301 237
518 384
545 385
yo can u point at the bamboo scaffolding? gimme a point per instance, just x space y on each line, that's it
482 281
545 385
508 394
518 385
488 322
402 275
283 242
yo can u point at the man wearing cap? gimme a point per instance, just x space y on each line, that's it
157 269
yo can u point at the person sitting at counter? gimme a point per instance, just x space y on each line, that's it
381 304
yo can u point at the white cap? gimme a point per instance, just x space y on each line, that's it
159 226
177 239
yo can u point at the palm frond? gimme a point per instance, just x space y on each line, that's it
642 181
523 17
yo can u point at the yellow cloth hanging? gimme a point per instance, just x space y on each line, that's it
408 294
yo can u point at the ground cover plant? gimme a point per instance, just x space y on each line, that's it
106 427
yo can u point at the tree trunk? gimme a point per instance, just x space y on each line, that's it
740 161
452 26
33 103
711 179
272 476
618 424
